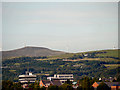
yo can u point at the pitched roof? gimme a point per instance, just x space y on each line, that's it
46 81
110 83
98 82
53 82
56 82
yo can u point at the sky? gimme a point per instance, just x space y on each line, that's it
64 26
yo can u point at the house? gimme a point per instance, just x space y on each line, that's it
112 85
47 83
56 82
115 87
96 84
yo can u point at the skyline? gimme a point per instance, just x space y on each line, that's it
72 27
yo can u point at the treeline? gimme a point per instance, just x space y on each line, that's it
9 85
19 59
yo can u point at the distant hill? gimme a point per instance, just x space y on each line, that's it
98 53
31 52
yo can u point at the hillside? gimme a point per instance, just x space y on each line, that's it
102 63
112 53
31 52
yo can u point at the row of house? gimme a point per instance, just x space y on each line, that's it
112 85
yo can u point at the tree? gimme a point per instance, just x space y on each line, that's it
79 88
91 88
68 81
36 85
7 85
93 80
86 83
103 86
53 87
31 85
118 78
66 87
17 86
43 88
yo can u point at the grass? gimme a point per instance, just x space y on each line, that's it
49 58
62 66
94 59
12 70
17 64
67 55
112 66
89 59
108 59
113 53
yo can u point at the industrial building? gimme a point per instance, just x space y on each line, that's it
28 77
61 77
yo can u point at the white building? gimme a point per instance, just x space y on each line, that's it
28 77
61 77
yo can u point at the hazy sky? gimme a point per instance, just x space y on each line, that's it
69 26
